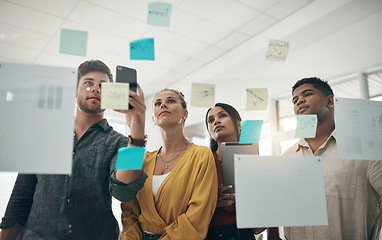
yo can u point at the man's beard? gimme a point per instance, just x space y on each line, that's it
83 106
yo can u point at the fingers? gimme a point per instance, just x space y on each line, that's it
137 99
140 92
224 188
225 203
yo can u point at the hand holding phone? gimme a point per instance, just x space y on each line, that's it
127 75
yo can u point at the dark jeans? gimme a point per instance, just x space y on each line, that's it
229 232
150 236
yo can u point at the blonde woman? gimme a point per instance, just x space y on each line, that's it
180 193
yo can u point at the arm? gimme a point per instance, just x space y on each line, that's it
194 223
131 226
10 233
135 119
19 206
122 191
375 176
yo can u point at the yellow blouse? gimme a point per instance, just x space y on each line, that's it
184 204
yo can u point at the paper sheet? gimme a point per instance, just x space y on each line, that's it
115 95
142 49
257 99
37 106
159 14
306 126
73 42
277 50
250 131
358 128
279 191
202 95
130 158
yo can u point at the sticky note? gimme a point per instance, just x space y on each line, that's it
73 42
358 128
159 14
115 96
250 131
142 49
202 95
130 158
257 99
306 126
277 50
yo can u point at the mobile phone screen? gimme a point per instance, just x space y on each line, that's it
127 75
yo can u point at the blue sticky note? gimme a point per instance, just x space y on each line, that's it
250 131
142 49
159 14
306 126
130 158
73 42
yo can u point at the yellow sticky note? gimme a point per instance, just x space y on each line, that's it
202 95
115 96
277 50
257 99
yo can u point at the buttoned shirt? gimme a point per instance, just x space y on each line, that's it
76 205
353 196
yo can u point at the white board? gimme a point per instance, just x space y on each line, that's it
279 191
37 118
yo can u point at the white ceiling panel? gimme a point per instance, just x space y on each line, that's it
62 60
222 12
56 8
134 8
188 66
23 37
285 8
197 28
107 20
258 24
17 52
209 54
27 18
168 59
261 6
232 40
173 42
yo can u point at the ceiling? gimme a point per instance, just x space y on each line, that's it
222 42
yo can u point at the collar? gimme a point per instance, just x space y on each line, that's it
102 124
303 143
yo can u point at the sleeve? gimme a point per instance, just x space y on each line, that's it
20 202
131 227
126 192
194 223
121 191
375 176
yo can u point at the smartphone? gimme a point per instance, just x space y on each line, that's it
127 75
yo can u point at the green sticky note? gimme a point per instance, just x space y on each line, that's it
130 158
115 95
142 49
202 95
159 14
73 42
250 131
306 126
